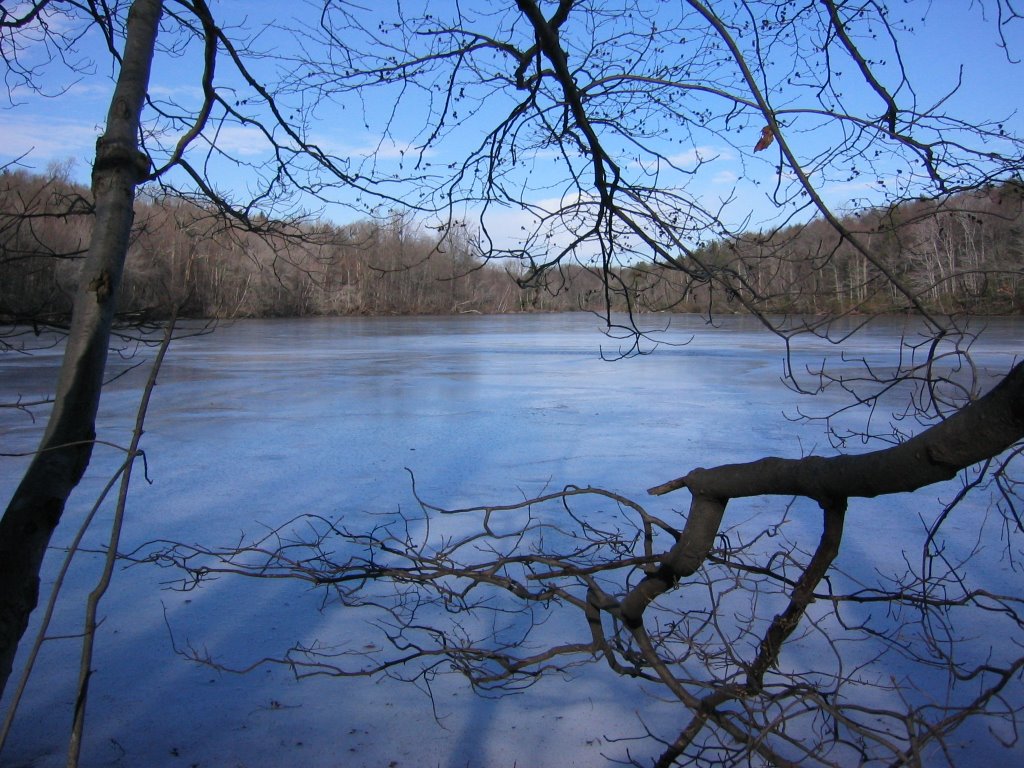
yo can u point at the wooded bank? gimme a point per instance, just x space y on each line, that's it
964 253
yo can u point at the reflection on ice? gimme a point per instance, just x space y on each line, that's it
263 421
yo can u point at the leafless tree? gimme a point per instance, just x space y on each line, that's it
585 576
37 505
600 92
606 95
172 146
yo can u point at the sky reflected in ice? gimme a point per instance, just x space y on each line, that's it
264 420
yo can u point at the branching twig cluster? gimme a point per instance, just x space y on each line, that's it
777 654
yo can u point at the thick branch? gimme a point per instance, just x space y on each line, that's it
980 430
983 429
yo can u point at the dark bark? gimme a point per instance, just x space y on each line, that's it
981 430
782 626
63 455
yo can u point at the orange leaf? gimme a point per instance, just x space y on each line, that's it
766 139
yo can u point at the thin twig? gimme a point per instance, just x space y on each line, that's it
92 605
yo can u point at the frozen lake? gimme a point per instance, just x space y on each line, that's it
264 420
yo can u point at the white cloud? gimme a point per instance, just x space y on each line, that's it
191 92
101 91
702 154
42 139
508 227
367 146
240 140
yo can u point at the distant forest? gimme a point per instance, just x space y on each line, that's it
963 253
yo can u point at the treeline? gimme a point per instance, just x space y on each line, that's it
962 254
192 257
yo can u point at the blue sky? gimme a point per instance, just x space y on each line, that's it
39 130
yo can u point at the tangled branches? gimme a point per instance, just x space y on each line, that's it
776 651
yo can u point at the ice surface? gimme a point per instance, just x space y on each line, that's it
264 420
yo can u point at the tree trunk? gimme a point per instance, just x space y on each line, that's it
64 452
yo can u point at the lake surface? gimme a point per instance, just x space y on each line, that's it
263 420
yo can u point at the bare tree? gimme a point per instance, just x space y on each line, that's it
601 92
174 147
628 108
36 507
